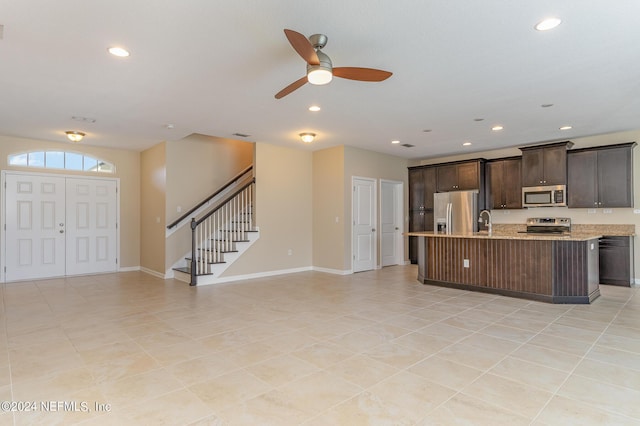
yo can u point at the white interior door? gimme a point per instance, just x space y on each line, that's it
391 252
364 224
91 226
35 219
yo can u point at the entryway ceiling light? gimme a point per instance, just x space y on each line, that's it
74 136
119 51
548 24
307 137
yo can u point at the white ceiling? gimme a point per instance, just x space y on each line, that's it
213 67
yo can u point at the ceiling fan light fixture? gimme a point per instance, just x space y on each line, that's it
548 24
319 75
307 137
74 136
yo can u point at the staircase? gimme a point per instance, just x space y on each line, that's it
219 238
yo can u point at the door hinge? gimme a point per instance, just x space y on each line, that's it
116 260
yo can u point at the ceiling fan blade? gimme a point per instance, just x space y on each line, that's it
302 45
290 88
361 74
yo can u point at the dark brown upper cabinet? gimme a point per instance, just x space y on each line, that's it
601 177
460 176
545 164
504 189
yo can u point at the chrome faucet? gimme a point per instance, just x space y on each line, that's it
488 224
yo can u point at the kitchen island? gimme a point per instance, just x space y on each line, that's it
549 268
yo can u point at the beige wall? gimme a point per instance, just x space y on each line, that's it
127 170
197 165
578 216
369 164
329 220
283 212
153 208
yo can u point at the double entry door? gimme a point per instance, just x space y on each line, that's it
57 226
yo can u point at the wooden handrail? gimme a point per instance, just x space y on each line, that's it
195 223
210 197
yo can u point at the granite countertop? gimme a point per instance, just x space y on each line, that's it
502 235
515 231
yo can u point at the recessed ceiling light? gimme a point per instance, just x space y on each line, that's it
566 128
395 142
427 130
478 119
466 144
496 128
119 51
546 105
314 108
548 24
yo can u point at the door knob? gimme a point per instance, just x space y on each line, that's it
397 228
61 231
373 229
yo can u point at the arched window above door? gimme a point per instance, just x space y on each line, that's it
61 160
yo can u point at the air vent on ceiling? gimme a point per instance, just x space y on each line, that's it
408 145
241 135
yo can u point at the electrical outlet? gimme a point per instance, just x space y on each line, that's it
636 211
179 208
289 252
506 211
465 263
591 211
607 211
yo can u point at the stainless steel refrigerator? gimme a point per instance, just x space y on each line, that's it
455 212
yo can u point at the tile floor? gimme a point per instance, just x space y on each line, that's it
315 349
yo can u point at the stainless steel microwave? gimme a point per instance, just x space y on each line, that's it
544 196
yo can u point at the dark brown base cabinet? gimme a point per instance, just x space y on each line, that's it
616 261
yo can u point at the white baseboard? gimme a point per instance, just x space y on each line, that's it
221 280
332 271
129 269
152 272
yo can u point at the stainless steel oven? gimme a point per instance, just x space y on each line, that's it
544 196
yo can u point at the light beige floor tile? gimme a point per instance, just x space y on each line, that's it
281 369
565 411
319 391
229 389
523 323
609 373
619 342
395 355
422 342
581 323
179 407
202 369
269 409
465 323
362 370
536 375
133 389
521 399
252 353
491 343
445 372
564 344
547 357
575 333
508 333
55 386
109 352
470 356
464 410
446 331
604 396
412 395
174 354
291 341
363 410
123 366
324 354
614 356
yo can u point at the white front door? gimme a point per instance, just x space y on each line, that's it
364 224
57 226
91 226
391 252
35 226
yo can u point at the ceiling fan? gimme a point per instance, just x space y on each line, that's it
319 67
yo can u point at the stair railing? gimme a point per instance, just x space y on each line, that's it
230 182
215 233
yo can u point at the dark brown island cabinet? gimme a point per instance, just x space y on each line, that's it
504 188
561 269
544 165
616 260
601 177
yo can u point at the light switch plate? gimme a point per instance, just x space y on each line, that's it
636 211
